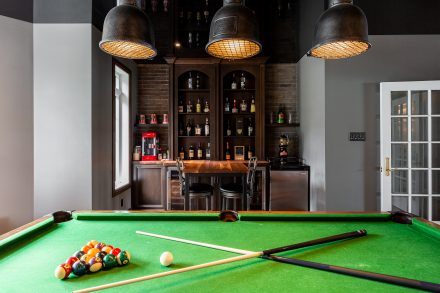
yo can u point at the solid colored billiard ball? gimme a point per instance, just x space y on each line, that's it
93 251
63 271
166 258
109 261
92 243
85 248
107 249
71 260
80 268
78 254
123 258
100 245
86 258
115 251
101 254
95 264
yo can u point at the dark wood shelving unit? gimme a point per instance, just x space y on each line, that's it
283 125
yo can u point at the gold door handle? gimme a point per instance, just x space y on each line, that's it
387 167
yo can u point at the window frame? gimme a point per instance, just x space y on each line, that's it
119 190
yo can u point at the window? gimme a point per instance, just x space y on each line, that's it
121 127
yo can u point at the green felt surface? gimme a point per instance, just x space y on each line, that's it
410 251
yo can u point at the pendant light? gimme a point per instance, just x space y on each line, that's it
128 32
341 32
234 32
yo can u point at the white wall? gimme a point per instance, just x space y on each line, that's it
62 117
16 123
311 87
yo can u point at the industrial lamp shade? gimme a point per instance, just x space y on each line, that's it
128 32
341 32
234 32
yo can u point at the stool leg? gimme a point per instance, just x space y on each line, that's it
235 204
207 203
189 199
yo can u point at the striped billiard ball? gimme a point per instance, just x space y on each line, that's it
123 258
63 271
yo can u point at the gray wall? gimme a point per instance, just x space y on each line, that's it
62 117
62 11
16 124
352 104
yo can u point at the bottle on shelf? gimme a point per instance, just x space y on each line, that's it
198 18
206 109
189 17
182 153
180 109
198 106
228 152
250 153
227 106
189 106
234 108
181 17
250 127
280 116
197 81
234 82
181 131
208 151
188 128
243 106
191 153
198 130
190 40
199 152
228 130
190 80
207 127
206 11
253 105
242 81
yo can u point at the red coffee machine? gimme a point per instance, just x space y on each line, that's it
150 143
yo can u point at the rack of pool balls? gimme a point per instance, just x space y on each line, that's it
92 257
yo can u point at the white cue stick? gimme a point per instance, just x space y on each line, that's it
187 269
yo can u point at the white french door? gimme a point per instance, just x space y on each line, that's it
410 147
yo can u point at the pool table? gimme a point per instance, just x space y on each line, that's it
29 255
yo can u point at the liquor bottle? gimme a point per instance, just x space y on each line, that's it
228 130
206 109
242 81
188 128
191 153
207 127
234 83
228 152
190 81
243 106
208 152
250 127
189 17
198 106
250 154
189 106
181 18
198 130
180 106
234 108
253 105
197 81
280 116
198 18
199 152
206 11
190 40
227 107
181 131
182 153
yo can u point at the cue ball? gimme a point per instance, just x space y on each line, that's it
166 258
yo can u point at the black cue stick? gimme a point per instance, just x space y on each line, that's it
427 286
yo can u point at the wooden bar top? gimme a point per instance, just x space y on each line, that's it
214 167
172 163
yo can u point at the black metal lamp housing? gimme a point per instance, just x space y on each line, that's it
128 32
234 32
341 32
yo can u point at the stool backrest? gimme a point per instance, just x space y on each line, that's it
250 177
180 167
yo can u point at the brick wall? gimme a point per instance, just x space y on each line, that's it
281 91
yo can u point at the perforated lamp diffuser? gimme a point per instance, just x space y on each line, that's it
128 32
341 32
234 32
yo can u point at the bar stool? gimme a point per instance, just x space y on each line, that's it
196 190
234 191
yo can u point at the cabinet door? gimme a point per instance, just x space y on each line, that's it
148 194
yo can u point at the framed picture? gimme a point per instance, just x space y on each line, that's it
239 153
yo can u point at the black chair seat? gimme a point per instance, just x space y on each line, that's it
200 188
231 188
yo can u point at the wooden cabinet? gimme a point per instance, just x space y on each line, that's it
149 186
